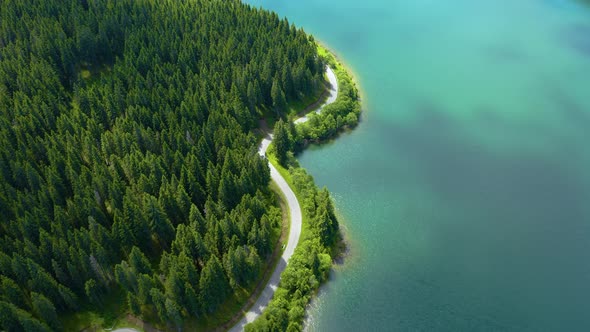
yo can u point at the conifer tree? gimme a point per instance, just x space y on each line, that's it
127 153
213 285
281 142
45 310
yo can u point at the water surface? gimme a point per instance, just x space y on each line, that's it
465 192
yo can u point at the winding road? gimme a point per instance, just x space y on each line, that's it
331 98
295 214
294 233
296 219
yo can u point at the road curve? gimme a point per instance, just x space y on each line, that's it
331 98
295 214
295 228
294 233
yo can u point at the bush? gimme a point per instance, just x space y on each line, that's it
342 114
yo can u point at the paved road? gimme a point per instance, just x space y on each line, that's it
295 229
295 212
294 233
331 98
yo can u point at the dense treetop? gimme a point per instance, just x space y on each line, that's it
126 153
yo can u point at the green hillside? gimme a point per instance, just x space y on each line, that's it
129 177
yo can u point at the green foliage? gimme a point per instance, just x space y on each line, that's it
213 284
127 159
343 113
310 264
93 292
10 292
45 310
138 262
133 304
281 142
173 312
8 317
278 96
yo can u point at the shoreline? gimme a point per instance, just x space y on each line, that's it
344 64
331 94
296 220
265 297
336 251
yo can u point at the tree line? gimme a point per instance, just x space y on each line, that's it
127 159
343 114
310 264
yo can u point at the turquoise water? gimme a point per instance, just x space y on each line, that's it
465 192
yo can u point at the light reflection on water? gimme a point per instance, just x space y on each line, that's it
466 192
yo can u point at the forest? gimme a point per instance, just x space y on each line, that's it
341 115
321 239
128 161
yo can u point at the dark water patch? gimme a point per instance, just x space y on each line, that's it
463 171
494 255
465 220
354 38
505 53
566 4
569 107
510 214
577 37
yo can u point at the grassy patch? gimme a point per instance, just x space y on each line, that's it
341 115
286 225
330 58
320 239
229 312
229 308
113 314
91 73
308 103
305 233
295 108
113 309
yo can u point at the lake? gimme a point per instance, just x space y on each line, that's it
465 192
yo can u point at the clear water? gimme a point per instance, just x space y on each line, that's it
465 193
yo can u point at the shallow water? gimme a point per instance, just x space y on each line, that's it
465 192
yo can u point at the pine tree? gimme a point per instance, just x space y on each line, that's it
159 223
281 142
10 292
93 292
45 310
145 284
213 285
192 300
101 175
173 312
159 301
279 102
174 287
8 317
138 262
133 304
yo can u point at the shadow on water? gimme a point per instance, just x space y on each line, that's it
511 207
569 108
577 37
506 53
459 167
